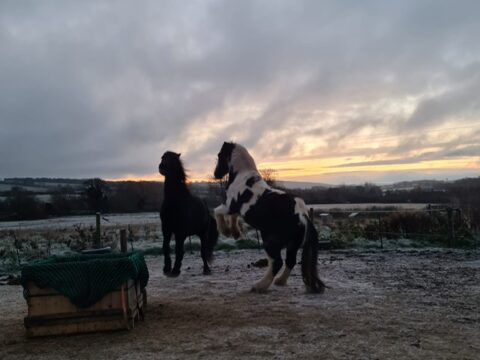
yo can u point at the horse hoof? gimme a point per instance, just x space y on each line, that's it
258 290
280 282
207 272
173 273
167 271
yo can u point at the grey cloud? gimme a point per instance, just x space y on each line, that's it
97 88
458 103
473 150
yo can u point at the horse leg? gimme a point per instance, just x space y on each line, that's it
275 263
179 241
167 266
290 262
203 251
235 226
220 213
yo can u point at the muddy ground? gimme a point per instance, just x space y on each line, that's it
380 305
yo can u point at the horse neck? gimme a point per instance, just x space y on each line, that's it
243 161
174 188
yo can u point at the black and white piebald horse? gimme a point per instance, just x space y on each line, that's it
281 218
183 214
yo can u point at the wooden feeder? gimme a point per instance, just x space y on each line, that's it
51 313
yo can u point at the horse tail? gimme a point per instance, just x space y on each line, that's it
212 237
310 258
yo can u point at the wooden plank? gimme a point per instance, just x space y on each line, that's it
132 297
46 301
73 325
40 319
78 328
136 306
59 304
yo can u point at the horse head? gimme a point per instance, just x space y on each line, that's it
233 158
172 166
224 160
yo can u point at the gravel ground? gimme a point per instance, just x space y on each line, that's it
399 304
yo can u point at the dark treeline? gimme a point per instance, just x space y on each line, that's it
35 181
465 191
464 194
369 193
25 202
90 196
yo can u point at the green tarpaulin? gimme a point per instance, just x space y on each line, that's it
85 279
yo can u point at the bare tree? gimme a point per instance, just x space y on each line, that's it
269 175
95 192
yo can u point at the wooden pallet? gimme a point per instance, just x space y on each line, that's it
51 313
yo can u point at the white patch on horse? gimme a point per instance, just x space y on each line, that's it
238 186
242 160
282 279
301 210
257 189
266 281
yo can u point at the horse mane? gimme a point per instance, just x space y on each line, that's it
242 160
179 173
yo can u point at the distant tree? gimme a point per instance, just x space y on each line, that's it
141 195
60 203
269 175
134 196
216 191
3 209
22 205
95 192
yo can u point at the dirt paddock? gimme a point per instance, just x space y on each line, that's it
380 305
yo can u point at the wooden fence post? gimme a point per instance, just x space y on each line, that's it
98 242
380 235
123 241
451 230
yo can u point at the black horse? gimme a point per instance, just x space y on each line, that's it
183 214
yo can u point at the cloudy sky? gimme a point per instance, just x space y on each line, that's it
324 91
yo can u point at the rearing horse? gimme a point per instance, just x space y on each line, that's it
183 214
281 218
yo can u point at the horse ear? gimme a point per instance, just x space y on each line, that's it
179 154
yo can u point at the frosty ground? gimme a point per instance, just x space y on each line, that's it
379 304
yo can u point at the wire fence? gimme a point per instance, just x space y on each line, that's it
441 226
373 227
